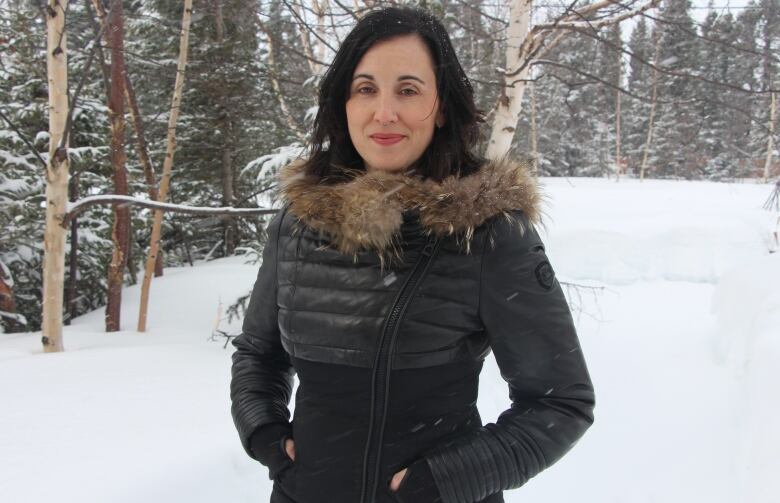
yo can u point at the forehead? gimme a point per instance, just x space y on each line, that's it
404 54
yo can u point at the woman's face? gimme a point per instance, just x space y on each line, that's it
393 105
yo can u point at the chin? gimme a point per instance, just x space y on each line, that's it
390 168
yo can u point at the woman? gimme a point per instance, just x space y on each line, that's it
399 261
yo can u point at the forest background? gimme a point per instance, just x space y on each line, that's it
672 97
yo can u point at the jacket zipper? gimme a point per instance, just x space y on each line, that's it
380 379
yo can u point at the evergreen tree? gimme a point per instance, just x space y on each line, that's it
675 150
23 86
571 112
640 84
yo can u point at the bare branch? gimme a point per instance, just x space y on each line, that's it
581 13
680 26
672 72
305 25
80 206
593 79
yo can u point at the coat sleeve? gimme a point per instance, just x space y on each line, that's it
535 344
261 374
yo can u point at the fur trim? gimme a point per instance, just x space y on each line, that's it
365 212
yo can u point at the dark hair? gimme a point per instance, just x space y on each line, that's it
451 148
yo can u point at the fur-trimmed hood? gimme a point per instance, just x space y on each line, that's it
366 211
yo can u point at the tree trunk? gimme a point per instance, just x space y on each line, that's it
135 114
277 87
770 140
7 300
511 99
56 176
143 155
73 264
305 40
116 111
653 100
229 224
617 111
320 8
154 243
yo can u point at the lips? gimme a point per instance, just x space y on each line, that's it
387 139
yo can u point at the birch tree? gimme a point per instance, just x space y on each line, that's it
526 45
518 49
56 175
154 244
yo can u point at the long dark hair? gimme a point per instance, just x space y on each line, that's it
451 151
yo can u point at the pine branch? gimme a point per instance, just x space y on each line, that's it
24 138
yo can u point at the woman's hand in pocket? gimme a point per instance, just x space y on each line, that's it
289 448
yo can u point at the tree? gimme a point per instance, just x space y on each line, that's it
167 165
675 151
56 175
120 234
528 45
637 119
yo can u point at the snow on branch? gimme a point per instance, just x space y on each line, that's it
81 205
576 20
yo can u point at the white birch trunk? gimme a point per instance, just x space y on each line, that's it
56 176
321 8
510 103
304 34
154 243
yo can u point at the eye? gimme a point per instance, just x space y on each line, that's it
412 93
367 89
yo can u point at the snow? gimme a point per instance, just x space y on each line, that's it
13 185
681 342
41 137
284 155
7 158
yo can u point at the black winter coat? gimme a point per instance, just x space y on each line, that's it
385 293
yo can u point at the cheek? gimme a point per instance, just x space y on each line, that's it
350 109
422 114
353 121
355 111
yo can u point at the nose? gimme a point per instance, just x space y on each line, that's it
385 111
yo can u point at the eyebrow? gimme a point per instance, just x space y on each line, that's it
402 77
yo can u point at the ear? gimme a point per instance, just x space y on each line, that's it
440 119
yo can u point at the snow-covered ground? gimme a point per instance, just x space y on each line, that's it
681 336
